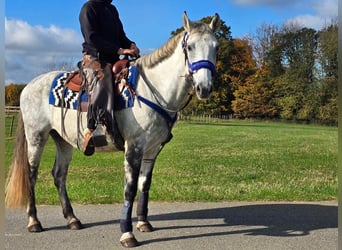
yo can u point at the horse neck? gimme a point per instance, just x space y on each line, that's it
167 81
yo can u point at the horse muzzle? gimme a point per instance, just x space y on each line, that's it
203 91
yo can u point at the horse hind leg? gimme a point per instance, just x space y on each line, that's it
59 172
35 143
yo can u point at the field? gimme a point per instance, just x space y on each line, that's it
220 161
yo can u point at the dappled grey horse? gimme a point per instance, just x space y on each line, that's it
184 64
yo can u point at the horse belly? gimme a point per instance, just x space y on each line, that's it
70 124
64 121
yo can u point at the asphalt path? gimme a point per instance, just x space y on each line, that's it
224 225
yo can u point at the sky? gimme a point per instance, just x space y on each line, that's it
41 34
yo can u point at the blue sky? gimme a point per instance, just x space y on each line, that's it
39 34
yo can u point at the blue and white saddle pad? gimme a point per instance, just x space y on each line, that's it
60 95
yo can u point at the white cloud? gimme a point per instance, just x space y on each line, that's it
318 13
270 3
309 21
29 50
327 8
323 13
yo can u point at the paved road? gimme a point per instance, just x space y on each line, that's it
224 225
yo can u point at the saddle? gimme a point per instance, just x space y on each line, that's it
74 81
120 72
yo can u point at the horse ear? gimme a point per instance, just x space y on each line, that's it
215 23
186 22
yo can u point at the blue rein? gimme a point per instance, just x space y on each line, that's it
170 120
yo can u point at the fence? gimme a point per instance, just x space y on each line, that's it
203 118
11 115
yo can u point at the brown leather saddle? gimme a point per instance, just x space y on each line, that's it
120 71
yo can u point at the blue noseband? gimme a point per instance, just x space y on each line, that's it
202 64
194 66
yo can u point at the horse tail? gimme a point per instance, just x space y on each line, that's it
17 189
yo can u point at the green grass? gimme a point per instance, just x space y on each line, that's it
223 161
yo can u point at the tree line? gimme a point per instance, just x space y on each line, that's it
280 72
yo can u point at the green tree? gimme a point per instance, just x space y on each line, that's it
296 87
328 81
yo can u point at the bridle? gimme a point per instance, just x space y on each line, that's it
194 66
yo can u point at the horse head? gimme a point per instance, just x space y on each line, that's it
200 48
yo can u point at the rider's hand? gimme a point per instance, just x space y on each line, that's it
136 49
133 51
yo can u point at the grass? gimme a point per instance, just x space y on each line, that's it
222 161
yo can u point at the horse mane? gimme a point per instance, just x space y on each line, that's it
169 47
160 54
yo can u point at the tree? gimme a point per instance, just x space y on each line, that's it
296 89
255 98
12 94
267 49
327 57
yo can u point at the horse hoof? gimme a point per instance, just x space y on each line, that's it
36 228
144 227
75 225
128 243
128 240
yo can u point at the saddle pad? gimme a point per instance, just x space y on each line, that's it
125 97
61 96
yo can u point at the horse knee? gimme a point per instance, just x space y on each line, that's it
58 177
144 183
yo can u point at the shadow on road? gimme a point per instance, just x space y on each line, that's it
280 220
277 220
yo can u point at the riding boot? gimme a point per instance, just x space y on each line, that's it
88 145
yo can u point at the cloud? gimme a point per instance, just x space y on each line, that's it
31 50
318 13
326 8
324 12
270 3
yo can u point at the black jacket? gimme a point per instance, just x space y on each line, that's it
102 30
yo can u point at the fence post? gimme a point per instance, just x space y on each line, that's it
12 124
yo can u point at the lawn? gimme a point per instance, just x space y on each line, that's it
221 161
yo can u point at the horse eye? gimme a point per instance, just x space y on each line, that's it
189 47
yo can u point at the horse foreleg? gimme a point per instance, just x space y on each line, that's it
144 184
60 172
132 167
